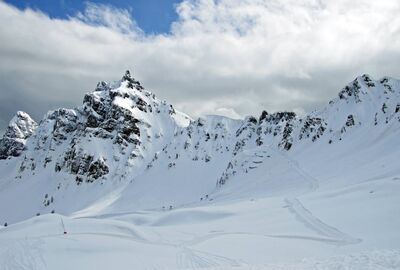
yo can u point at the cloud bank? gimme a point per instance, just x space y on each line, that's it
230 57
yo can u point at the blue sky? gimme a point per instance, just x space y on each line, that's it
152 16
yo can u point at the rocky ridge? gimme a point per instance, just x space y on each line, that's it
123 134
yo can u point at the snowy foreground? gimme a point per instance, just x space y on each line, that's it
137 185
284 219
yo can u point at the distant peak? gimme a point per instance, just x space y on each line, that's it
22 118
131 82
127 76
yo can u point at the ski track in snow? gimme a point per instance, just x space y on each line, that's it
306 217
324 239
309 220
189 258
26 254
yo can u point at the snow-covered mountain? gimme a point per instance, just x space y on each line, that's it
124 153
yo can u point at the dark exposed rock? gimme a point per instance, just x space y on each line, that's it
109 125
368 81
95 104
287 139
171 110
277 117
263 115
83 165
350 121
97 169
259 141
313 127
351 90
65 120
370 84
384 80
252 119
131 82
92 122
141 104
10 147
238 146
200 122
366 78
384 107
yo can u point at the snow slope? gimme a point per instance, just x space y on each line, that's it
139 185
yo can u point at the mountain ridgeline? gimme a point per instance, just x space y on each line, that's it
123 133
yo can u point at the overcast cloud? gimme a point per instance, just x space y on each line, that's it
233 57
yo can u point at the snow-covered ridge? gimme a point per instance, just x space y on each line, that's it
124 138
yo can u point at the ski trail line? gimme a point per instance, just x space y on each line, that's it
315 224
204 238
305 216
189 258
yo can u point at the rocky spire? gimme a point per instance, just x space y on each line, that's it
127 76
20 128
132 83
263 115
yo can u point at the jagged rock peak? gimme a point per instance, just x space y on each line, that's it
127 76
131 82
362 85
277 117
20 128
263 115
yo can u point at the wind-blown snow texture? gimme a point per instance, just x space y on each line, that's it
139 185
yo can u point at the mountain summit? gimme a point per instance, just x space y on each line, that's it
124 138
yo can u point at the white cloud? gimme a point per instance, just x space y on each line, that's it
119 20
233 57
